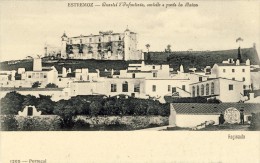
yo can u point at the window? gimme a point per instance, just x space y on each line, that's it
244 79
244 86
230 87
154 88
224 70
193 91
183 87
174 89
169 88
125 87
29 76
133 75
59 79
233 78
90 39
233 70
202 90
153 67
80 41
154 74
207 89
99 39
212 88
137 88
198 90
243 70
119 38
44 76
200 78
113 87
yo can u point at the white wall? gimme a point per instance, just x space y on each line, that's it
187 120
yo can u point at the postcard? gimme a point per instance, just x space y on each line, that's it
129 81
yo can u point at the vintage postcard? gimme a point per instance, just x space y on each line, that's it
129 81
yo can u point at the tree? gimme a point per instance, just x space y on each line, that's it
11 103
152 110
36 84
66 112
51 85
46 106
168 48
147 47
30 100
9 123
95 108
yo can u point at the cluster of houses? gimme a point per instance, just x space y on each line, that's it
226 81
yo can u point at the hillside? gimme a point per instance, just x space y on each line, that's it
202 58
174 59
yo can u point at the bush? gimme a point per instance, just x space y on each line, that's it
9 123
39 124
81 125
51 85
36 84
95 108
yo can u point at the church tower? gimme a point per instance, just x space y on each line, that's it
127 41
64 40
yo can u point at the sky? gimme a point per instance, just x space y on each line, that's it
214 25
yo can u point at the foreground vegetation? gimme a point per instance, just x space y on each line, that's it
91 106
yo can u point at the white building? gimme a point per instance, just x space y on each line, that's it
234 70
226 90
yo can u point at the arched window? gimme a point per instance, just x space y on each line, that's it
202 90
193 91
125 87
198 90
212 88
207 89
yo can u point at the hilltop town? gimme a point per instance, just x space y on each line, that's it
110 68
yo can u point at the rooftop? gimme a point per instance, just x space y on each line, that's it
205 108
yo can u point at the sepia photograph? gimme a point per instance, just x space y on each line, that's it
104 72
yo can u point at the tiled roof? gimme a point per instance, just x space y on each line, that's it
205 108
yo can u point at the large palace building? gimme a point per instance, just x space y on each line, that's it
104 46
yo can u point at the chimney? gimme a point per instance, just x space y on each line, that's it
64 72
237 62
251 96
181 69
248 62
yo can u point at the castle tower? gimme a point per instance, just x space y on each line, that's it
64 40
127 40
37 64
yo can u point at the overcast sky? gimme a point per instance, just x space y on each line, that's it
26 26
